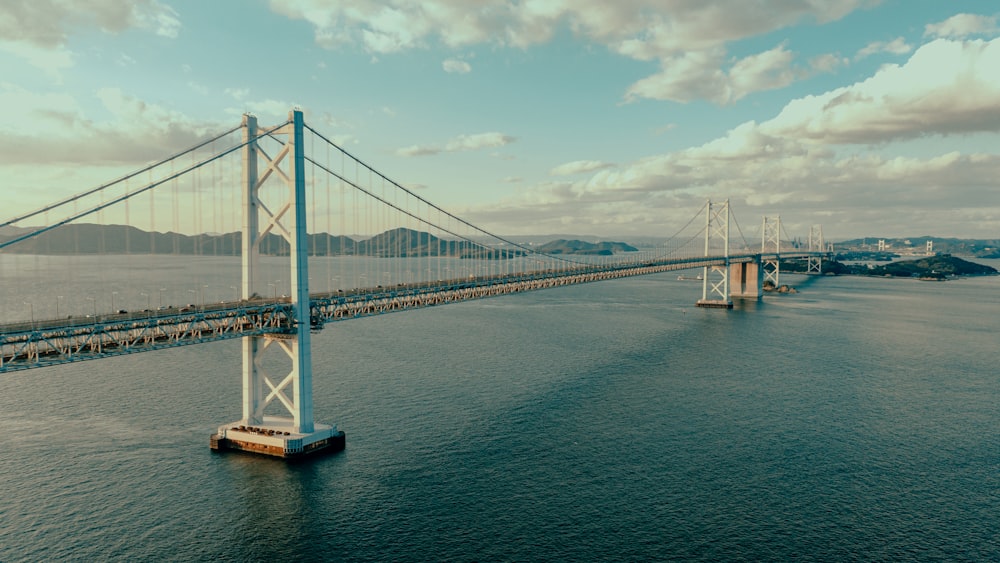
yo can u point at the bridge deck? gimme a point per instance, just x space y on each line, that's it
49 342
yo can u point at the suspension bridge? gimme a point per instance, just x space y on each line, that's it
238 233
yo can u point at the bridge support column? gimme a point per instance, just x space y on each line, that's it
715 284
257 431
771 243
746 280
814 264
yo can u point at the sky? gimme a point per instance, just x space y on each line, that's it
607 119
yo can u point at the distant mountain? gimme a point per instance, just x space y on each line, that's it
407 242
635 240
10 231
980 248
121 239
563 246
931 267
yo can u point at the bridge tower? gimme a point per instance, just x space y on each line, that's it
814 264
297 434
771 243
715 279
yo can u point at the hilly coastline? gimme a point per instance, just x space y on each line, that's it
939 267
401 243
563 246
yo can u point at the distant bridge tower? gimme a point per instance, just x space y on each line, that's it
771 243
930 248
881 245
257 432
715 284
814 264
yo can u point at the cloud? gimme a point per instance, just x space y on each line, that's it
897 46
827 62
52 128
693 75
764 71
456 66
36 31
48 23
687 38
269 109
478 141
579 167
696 75
198 87
946 87
418 150
52 61
836 158
962 25
460 143
125 60
238 94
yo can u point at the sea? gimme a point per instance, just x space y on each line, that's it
857 419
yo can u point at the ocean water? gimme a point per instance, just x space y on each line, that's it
856 420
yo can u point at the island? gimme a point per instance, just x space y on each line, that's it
563 246
932 268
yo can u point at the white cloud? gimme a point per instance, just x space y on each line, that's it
268 110
50 60
160 18
685 78
456 66
238 94
478 141
963 25
36 31
52 128
687 38
843 152
897 46
946 87
460 143
696 75
47 23
827 62
579 167
419 150
198 87
764 71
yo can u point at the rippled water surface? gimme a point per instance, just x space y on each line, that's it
855 420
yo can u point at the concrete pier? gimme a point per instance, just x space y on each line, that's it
276 437
746 280
714 304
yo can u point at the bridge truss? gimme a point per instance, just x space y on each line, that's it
771 243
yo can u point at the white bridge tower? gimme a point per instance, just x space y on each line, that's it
715 284
296 434
771 243
814 264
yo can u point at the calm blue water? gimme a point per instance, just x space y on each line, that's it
857 420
